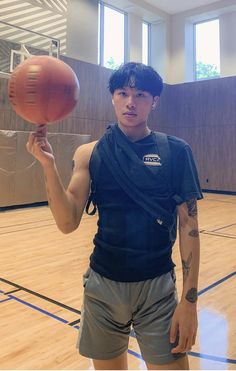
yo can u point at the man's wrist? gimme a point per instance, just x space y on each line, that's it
191 295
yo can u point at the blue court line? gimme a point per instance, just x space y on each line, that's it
212 358
39 309
2 301
137 355
216 283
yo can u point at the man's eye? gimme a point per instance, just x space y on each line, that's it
140 95
122 93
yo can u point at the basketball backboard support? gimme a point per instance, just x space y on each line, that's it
18 44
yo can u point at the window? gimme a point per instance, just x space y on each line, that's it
145 43
207 50
112 31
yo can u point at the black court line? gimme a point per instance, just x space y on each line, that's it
11 292
230 236
226 226
137 355
41 296
74 322
19 224
27 229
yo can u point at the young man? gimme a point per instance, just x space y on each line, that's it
141 182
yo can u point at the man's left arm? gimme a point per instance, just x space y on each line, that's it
184 321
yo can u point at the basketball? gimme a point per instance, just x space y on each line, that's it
43 89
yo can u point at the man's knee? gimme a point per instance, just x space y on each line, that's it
180 364
118 363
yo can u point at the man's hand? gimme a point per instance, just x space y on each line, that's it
39 146
184 327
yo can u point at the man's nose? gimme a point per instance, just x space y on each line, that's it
131 102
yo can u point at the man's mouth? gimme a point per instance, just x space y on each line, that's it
130 114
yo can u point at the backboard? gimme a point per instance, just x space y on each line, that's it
17 44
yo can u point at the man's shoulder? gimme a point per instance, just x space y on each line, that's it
176 141
177 145
84 152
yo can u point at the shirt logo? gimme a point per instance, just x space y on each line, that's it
152 160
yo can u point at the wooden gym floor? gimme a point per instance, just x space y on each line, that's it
41 289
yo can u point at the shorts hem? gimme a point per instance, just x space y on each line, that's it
162 360
101 357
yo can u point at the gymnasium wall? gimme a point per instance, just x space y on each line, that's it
203 113
91 114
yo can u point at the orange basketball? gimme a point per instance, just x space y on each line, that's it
43 89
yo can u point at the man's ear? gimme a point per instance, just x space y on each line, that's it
155 101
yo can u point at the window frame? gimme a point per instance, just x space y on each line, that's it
195 49
102 5
148 42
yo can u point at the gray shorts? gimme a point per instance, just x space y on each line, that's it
110 308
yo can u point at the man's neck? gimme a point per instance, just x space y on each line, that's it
135 133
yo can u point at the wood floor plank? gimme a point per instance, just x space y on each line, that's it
38 257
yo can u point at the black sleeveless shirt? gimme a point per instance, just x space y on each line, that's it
130 246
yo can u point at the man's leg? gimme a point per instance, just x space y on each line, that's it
179 364
118 363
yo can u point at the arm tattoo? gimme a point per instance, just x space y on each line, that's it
186 266
192 207
191 295
194 233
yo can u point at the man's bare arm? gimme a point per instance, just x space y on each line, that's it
66 205
184 321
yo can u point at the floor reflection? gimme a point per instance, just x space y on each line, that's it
213 337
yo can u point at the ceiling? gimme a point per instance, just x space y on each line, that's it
157 10
177 6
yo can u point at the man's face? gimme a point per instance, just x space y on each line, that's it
132 106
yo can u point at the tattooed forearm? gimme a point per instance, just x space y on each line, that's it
192 207
191 295
186 266
194 233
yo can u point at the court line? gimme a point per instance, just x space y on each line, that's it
74 322
27 229
194 354
41 296
226 226
225 235
12 291
2 301
39 309
30 222
212 358
135 354
216 283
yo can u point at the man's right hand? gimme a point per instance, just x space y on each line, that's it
39 146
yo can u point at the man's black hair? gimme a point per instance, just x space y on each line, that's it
138 76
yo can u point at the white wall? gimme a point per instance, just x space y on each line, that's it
182 41
82 30
160 46
172 40
228 44
134 38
